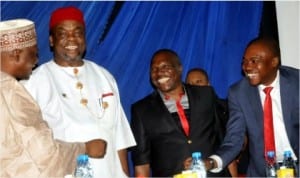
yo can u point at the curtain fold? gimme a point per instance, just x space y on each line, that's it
211 35
207 34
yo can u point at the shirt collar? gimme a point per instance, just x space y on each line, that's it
166 97
274 84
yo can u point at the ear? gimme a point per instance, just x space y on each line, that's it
10 61
275 61
51 40
180 68
14 55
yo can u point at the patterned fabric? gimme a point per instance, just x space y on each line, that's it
27 145
17 34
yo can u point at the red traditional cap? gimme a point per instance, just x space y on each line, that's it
66 13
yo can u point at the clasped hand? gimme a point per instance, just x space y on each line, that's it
96 148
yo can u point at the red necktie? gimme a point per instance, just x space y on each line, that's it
268 122
183 119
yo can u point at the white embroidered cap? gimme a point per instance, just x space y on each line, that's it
17 34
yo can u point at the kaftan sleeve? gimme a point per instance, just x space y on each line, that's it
28 148
124 136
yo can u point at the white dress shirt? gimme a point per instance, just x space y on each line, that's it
281 139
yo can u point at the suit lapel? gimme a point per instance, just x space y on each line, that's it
286 98
192 99
161 111
255 106
254 116
253 109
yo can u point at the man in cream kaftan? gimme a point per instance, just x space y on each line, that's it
27 145
28 148
82 103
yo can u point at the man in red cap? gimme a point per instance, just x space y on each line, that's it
28 148
66 13
80 99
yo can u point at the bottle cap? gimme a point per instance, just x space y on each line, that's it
287 153
270 154
196 155
82 158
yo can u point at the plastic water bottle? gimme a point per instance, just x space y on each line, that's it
288 168
83 168
289 162
271 164
198 165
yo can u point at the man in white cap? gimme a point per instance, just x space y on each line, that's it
28 148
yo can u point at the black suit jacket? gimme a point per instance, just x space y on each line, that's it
161 143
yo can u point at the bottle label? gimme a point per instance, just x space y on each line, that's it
285 173
186 174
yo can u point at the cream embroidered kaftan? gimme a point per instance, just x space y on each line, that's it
27 146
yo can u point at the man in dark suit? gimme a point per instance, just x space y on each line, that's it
163 139
261 65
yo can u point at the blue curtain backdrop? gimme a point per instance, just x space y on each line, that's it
211 35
